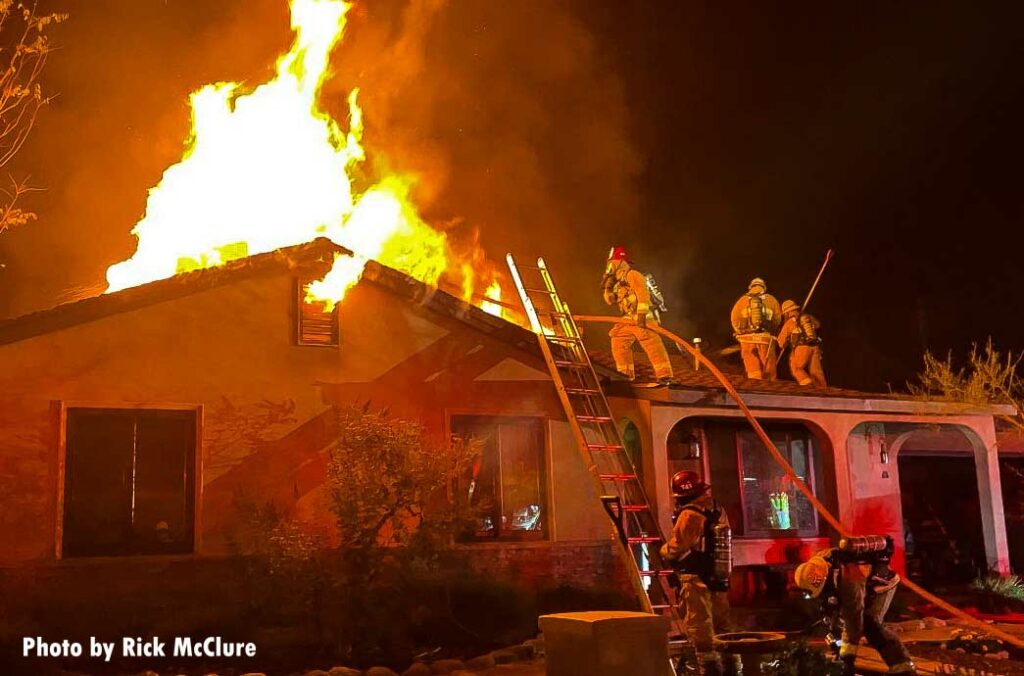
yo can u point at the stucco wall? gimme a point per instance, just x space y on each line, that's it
230 351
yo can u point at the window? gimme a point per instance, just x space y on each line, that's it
129 484
315 324
771 502
505 484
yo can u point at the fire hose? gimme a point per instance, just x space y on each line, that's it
797 481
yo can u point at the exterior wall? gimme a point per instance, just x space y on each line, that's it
228 352
867 489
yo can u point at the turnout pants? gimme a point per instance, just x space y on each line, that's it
625 335
758 360
805 365
702 611
863 614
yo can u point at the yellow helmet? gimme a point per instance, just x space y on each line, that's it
812 575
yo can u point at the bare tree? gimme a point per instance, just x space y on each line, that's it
989 377
24 48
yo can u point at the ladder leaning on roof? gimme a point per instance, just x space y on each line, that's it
597 437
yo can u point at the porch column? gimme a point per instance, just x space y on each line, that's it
663 418
990 494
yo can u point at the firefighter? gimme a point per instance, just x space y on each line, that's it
628 288
755 318
800 332
857 585
690 551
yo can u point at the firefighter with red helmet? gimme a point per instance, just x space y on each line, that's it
800 332
755 318
695 551
629 289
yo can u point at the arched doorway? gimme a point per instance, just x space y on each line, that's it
943 532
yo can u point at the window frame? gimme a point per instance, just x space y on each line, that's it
62 408
810 480
299 285
545 534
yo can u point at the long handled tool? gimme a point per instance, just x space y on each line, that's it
807 299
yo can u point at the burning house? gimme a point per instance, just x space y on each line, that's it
130 422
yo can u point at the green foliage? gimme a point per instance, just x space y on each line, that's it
1011 587
803 660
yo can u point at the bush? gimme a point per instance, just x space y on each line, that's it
996 594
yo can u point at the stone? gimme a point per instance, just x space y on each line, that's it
380 671
480 663
318 672
523 651
417 669
605 643
912 625
504 656
933 622
344 671
446 666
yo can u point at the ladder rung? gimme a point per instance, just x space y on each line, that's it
546 292
607 448
656 573
635 508
593 418
581 391
562 339
618 477
645 539
661 606
572 364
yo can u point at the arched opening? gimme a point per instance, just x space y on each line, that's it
774 525
943 532
634 447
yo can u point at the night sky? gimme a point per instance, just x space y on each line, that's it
717 143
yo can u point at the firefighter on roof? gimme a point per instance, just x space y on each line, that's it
856 586
800 333
632 292
700 550
755 318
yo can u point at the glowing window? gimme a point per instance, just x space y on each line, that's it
314 324
505 484
771 502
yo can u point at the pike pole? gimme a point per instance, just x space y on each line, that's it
828 257
797 481
807 299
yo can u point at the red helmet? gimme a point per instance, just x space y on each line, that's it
687 484
618 253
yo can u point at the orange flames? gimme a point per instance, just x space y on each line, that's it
268 169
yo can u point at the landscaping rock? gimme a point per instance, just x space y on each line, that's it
417 669
380 671
504 656
480 663
912 625
523 651
344 671
537 645
320 672
932 622
446 666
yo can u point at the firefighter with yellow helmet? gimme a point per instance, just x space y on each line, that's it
631 291
755 318
856 586
800 333
699 550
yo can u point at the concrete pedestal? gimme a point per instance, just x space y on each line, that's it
605 643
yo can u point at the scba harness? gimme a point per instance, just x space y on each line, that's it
712 560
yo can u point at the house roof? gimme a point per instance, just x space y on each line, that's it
312 258
316 257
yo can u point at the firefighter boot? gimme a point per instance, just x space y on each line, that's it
710 665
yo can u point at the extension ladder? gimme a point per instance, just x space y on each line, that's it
597 437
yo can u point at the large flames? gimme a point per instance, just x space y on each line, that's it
269 168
